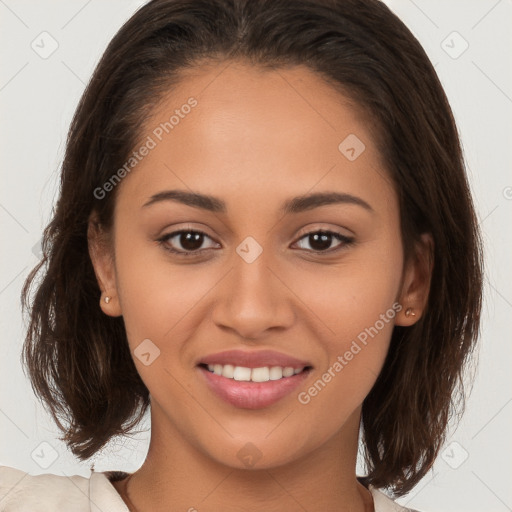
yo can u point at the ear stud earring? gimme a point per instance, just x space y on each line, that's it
107 299
409 312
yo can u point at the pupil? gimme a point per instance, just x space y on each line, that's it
321 240
189 241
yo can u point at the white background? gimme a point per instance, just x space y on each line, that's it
37 99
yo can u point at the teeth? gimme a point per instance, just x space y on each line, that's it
288 371
260 374
241 373
263 374
228 371
275 373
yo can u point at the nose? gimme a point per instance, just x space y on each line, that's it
254 298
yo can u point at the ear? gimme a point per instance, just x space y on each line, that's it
101 252
416 282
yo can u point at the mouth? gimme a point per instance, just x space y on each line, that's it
252 387
260 374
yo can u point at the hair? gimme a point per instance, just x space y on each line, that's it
78 359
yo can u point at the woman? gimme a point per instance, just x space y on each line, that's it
265 235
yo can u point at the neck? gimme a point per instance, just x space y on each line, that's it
177 476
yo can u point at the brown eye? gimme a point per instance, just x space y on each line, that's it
321 241
185 242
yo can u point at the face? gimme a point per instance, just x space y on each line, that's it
294 260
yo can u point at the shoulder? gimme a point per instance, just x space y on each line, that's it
21 492
384 503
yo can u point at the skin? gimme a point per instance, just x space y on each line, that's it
256 139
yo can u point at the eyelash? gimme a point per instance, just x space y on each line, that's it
346 241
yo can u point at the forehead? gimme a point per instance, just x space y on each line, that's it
289 104
265 130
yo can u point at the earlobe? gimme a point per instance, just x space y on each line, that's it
102 258
109 304
409 312
416 282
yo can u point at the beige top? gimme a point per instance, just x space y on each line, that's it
21 492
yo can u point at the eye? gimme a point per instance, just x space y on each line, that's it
189 240
321 240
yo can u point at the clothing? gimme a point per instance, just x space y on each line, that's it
21 492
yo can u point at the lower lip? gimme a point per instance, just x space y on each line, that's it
252 395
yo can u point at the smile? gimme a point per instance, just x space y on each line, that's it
252 388
263 374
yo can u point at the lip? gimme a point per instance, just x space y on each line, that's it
254 359
251 395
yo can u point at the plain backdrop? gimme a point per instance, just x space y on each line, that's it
48 52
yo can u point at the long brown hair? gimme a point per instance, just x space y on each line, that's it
78 358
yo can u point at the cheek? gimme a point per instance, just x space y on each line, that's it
357 306
352 296
355 356
161 300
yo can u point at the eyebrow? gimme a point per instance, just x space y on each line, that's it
294 205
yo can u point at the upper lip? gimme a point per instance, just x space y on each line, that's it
255 359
